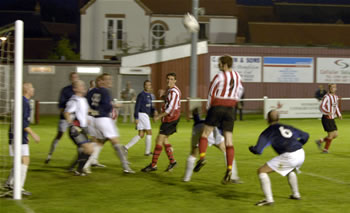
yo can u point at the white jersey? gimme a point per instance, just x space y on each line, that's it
78 107
215 138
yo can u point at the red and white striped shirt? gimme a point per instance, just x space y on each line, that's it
329 104
172 105
225 89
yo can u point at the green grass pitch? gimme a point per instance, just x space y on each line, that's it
324 182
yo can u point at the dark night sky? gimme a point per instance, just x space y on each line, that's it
51 10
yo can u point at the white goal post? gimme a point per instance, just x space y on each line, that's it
11 99
17 195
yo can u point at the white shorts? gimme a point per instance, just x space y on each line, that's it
213 139
144 122
24 150
62 125
287 162
91 126
105 128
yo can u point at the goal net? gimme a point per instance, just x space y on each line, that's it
11 66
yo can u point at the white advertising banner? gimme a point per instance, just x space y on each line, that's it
249 67
288 70
333 70
294 108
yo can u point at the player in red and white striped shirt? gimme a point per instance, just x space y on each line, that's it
170 118
330 110
224 92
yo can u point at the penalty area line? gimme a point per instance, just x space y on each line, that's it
326 178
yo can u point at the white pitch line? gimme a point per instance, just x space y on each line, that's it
306 173
25 207
326 178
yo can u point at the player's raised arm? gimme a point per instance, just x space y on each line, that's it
260 145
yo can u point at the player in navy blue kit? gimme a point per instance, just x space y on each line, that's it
66 93
101 108
288 142
215 138
144 110
28 92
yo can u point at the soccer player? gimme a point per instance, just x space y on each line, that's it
215 138
28 92
143 111
76 115
288 142
170 118
330 110
101 106
128 94
224 92
65 95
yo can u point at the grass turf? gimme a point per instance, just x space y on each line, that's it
324 183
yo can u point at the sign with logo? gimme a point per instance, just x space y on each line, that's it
248 67
288 70
333 70
41 69
294 107
135 70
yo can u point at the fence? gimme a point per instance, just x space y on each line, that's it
287 107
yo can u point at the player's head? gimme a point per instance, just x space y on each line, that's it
106 80
225 62
147 85
332 88
28 90
171 79
273 117
73 76
79 87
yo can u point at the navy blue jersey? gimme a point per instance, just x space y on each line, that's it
143 104
282 138
100 102
26 122
66 93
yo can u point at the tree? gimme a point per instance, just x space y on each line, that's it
64 50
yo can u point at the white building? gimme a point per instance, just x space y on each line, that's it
115 27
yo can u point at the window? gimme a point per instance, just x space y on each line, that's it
114 33
158 35
203 31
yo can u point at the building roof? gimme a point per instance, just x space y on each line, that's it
180 7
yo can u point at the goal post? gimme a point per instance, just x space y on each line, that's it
18 112
11 101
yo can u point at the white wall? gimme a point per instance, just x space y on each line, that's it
222 30
93 25
137 28
177 33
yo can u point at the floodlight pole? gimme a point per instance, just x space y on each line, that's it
194 65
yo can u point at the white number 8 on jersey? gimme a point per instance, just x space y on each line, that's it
287 133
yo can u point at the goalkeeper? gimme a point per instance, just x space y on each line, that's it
76 113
